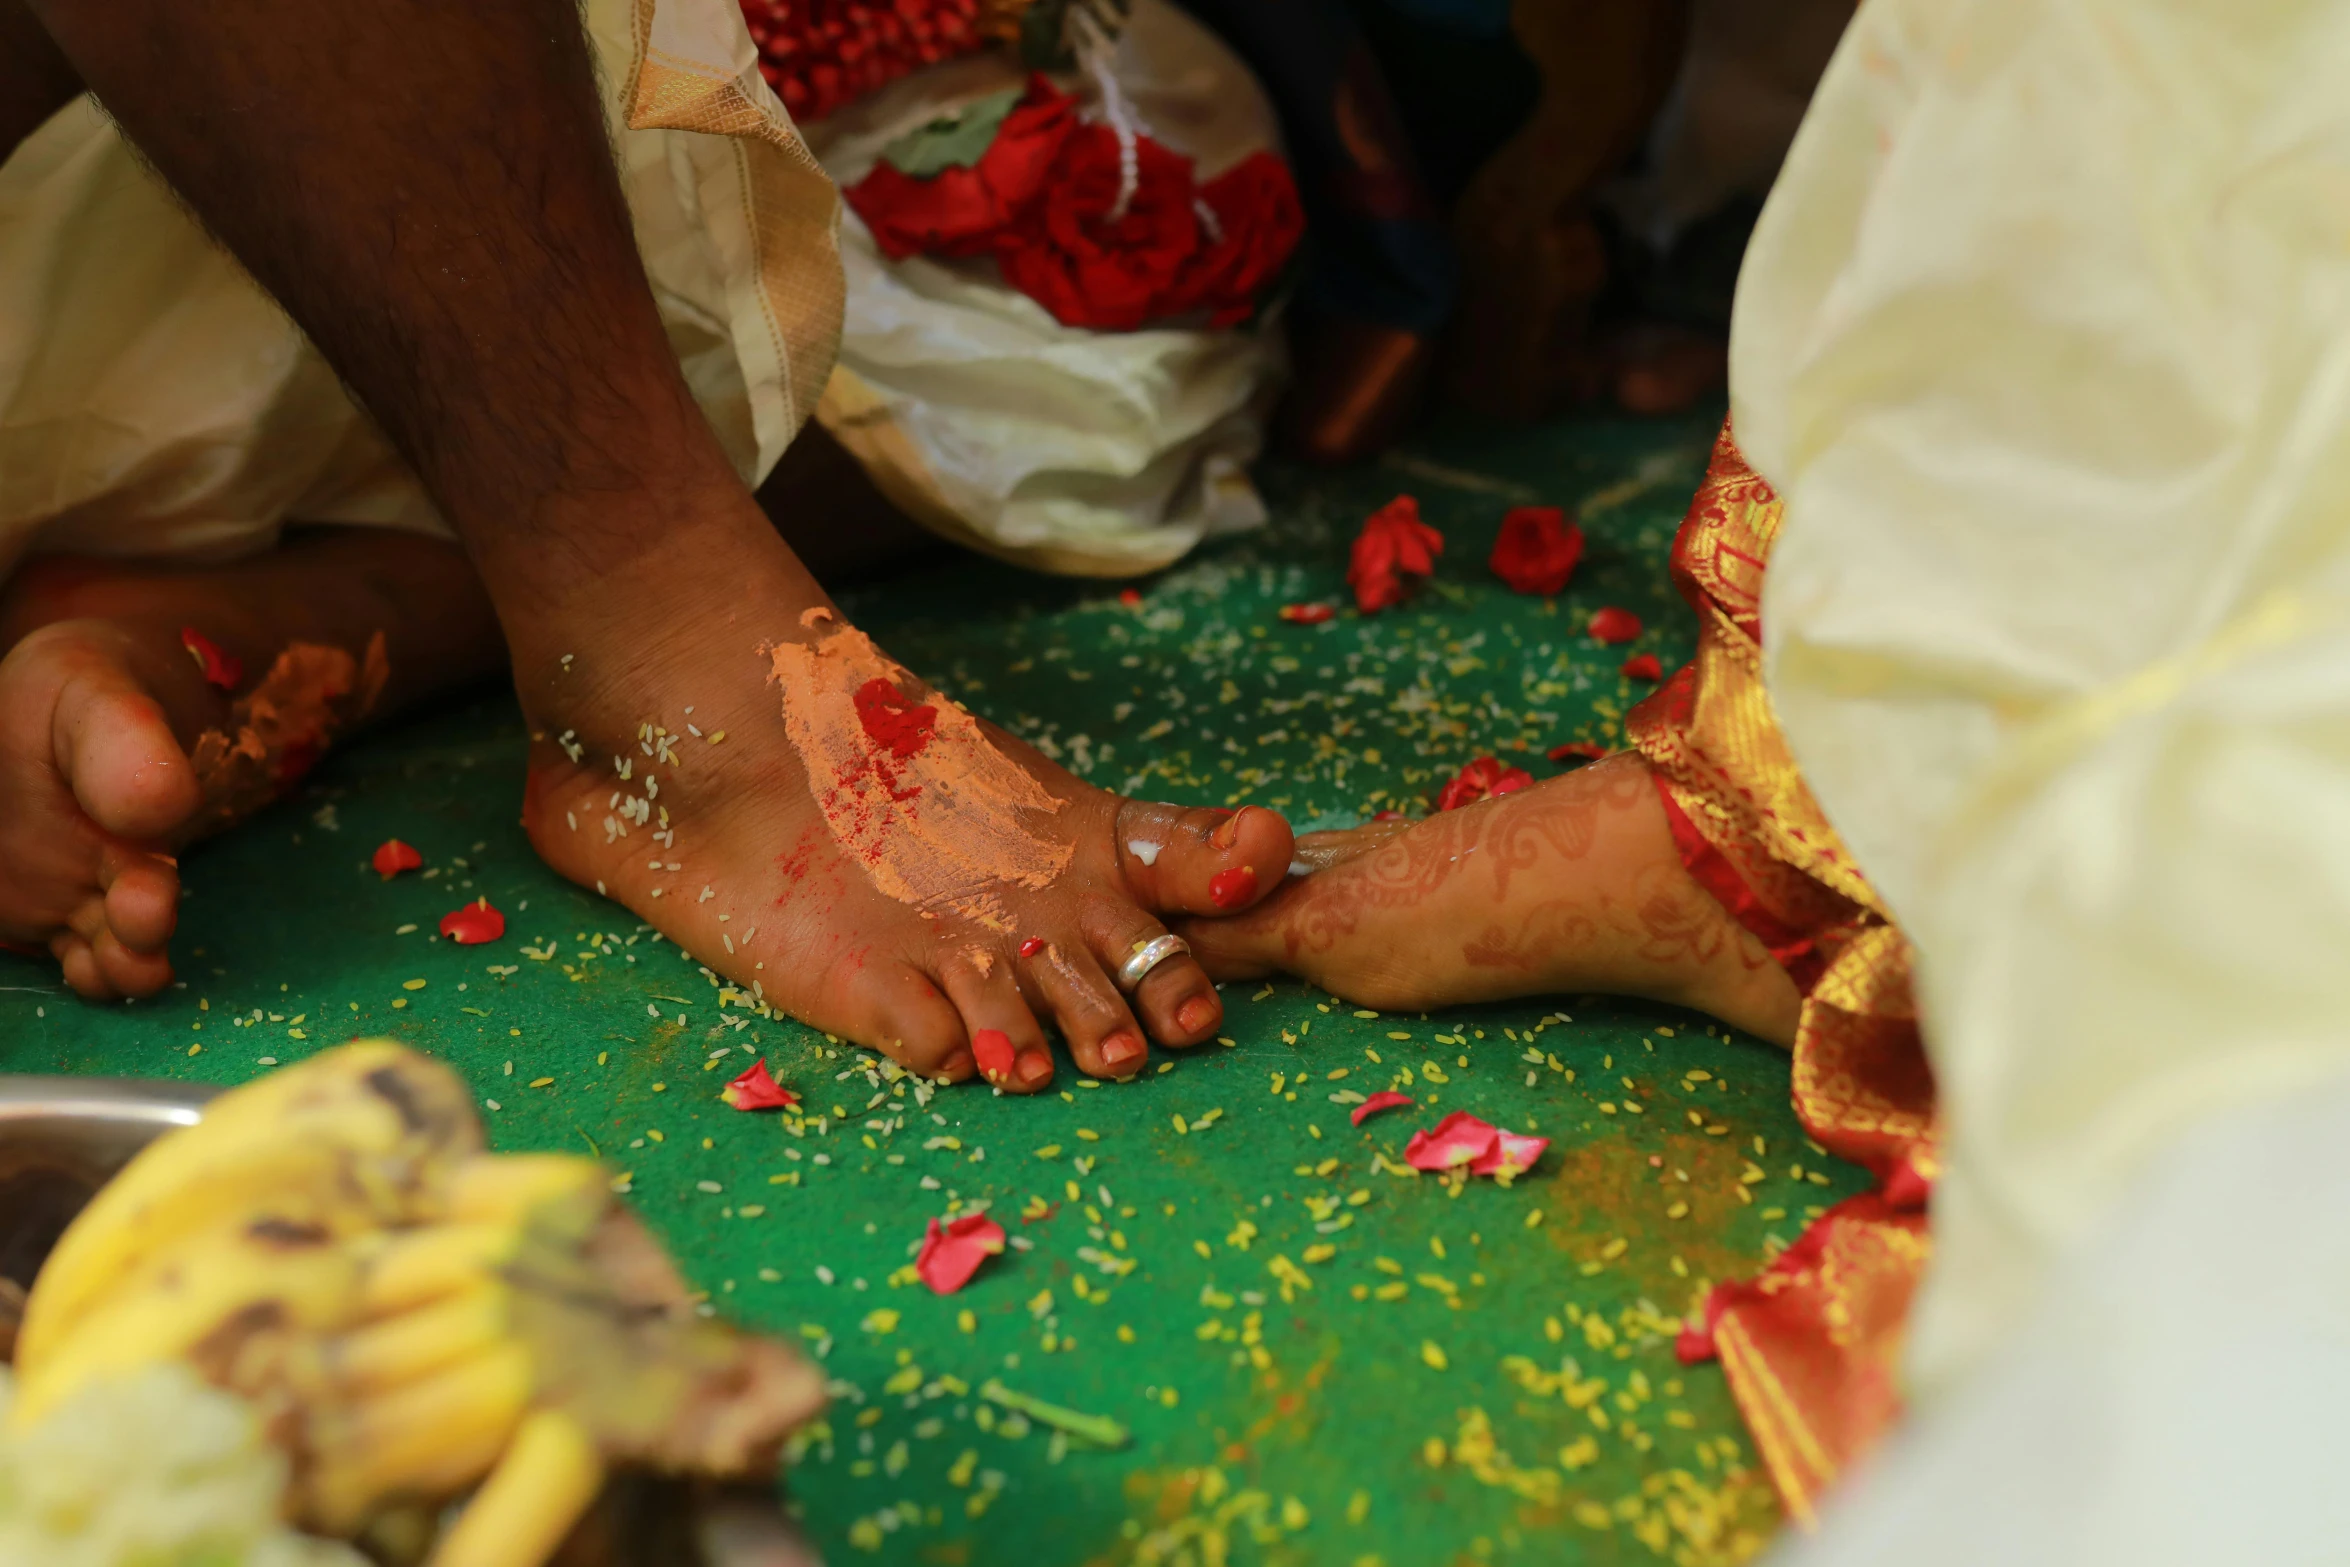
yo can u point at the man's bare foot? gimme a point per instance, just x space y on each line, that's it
804 815
1571 885
102 707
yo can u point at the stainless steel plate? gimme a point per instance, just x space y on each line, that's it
61 1138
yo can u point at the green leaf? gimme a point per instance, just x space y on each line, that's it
952 141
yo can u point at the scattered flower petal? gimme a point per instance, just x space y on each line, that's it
757 1089
1130 597
1577 751
1538 549
1460 1138
952 1252
1387 1099
1513 1153
1394 544
1612 625
473 924
221 670
1307 614
392 857
1485 778
1644 666
1032 946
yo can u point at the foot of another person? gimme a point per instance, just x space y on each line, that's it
116 749
1572 885
807 817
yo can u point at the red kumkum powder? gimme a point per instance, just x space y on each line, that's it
891 719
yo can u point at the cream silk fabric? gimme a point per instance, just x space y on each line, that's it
2044 339
155 403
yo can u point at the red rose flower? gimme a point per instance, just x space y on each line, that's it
1256 225
1089 264
1644 666
1537 550
1612 625
1487 778
963 211
1394 544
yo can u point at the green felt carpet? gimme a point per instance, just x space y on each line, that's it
1320 1360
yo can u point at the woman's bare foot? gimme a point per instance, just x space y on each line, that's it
102 707
1571 885
810 819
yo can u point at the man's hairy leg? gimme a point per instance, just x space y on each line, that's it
426 187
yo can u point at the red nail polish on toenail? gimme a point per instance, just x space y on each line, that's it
993 1047
1122 1051
1035 1067
1197 1013
1227 831
1230 889
1032 946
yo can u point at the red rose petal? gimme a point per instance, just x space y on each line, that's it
952 1252
220 668
1694 1346
1612 625
1513 1152
1393 545
1488 777
1387 1099
1537 549
1230 889
1644 666
1130 597
992 1048
1463 1140
1577 751
1459 1139
757 1089
1032 946
392 857
1307 614
473 924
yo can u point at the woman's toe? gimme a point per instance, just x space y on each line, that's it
1174 999
1201 861
914 1024
1101 1032
1008 1046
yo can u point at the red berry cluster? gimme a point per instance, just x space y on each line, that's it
821 54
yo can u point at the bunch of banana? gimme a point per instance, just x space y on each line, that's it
413 1319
